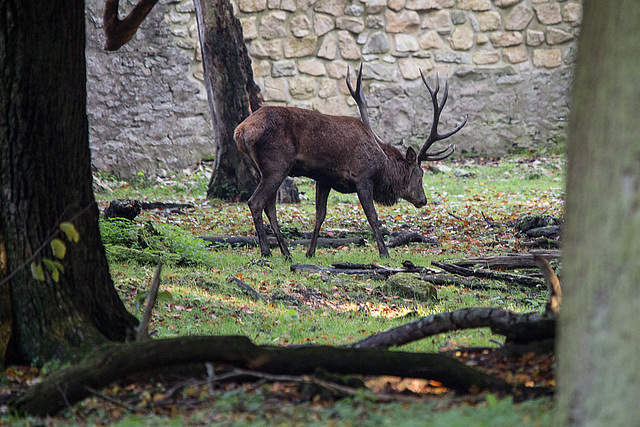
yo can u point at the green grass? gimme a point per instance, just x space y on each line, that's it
470 215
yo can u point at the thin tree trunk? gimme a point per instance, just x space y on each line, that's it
599 367
45 178
232 95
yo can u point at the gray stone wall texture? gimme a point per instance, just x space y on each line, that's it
509 64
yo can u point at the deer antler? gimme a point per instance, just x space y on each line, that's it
358 96
434 135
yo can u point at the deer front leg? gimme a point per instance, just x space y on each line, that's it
322 194
365 194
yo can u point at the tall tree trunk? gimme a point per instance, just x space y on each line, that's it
232 95
599 345
45 178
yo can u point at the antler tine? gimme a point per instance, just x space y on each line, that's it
437 110
358 96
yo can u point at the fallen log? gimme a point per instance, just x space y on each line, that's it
517 328
510 261
251 241
117 361
523 280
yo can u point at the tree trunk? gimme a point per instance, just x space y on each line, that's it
45 178
232 96
599 367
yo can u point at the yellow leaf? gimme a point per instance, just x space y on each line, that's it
70 231
36 271
59 249
55 275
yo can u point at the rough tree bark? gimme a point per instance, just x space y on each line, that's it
45 178
232 96
599 335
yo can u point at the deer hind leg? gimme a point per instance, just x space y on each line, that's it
270 210
365 195
322 194
259 201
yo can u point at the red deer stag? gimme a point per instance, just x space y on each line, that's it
339 153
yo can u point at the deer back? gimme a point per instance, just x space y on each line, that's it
337 150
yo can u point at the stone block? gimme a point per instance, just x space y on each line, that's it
430 40
506 3
548 14
327 88
489 21
331 7
249 27
296 48
461 38
450 57
439 21
263 49
300 26
572 13
558 36
337 69
406 43
410 67
301 87
335 106
288 5
354 10
328 47
397 5
428 4
252 5
547 58
515 54
322 24
261 68
505 39
484 57
475 5
313 67
350 23
519 18
283 69
377 43
379 71
406 21
375 6
534 37
347 46
274 89
272 25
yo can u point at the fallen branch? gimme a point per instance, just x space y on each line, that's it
511 261
528 281
370 270
248 289
515 327
116 361
250 241
143 328
553 286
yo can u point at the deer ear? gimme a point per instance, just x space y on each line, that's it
411 155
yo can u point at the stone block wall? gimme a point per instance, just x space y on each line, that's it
509 64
